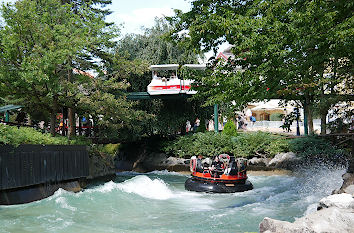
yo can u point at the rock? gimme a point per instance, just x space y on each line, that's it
100 165
344 201
172 161
258 161
349 189
348 180
332 219
284 160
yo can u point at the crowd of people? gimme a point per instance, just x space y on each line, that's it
241 122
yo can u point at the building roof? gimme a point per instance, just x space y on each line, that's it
9 107
164 67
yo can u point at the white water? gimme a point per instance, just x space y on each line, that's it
157 202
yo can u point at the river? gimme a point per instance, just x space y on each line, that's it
157 202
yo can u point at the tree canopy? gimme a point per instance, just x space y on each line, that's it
45 49
285 49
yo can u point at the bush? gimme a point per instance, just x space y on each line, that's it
13 135
230 129
207 144
110 148
259 143
313 146
211 144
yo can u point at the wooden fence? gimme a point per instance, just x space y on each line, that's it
29 165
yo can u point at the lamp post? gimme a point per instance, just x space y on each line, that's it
7 116
216 115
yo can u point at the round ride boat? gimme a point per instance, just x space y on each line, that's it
225 175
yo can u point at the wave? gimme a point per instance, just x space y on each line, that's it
141 185
156 172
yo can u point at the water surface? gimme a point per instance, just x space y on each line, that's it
157 202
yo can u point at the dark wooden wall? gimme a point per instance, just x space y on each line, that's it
29 165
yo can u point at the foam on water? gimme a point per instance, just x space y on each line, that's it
157 202
64 204
166 172
141 185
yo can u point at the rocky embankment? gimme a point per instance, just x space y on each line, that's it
100 165
145 162
335 213
287 161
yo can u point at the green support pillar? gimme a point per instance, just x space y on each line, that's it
216 115
306 128
7 116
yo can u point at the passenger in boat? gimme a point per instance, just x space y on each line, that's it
217 167
199 167
173 75
155 75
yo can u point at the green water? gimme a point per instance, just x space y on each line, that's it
157 202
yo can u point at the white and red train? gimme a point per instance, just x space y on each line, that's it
168 81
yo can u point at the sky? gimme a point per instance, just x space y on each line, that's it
135 14
132 15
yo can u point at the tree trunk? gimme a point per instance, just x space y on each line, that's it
310 117
71 123
29 120
71 112
80 126
323 122
53 116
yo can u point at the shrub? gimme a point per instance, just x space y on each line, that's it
211 144
313 146
259 143
110 149
230 129
207 144
15 136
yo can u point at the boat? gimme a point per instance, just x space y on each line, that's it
230 179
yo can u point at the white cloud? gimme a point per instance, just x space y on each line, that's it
141 17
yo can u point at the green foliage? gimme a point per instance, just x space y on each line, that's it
276 117
259 143
207 144
15 136
108 149
230 129
153 48
212 144
313 146
287 48
45 47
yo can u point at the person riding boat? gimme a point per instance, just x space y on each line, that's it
225 174
217 167
199 167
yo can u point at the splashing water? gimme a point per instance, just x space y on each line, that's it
157 202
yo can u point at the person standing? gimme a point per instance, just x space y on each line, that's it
188 126
196 124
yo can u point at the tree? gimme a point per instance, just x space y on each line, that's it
42 42
285 48
37 41
153 48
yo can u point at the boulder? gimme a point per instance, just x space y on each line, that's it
332 219
258 161
284 160
343 200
